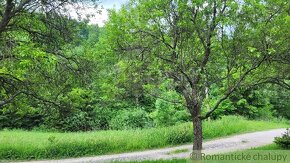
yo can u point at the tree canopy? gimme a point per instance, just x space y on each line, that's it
155 63
200 45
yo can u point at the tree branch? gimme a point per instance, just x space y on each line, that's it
9 100
233 88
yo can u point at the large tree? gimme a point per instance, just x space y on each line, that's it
35 36
200 45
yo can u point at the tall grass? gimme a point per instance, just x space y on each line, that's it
25 145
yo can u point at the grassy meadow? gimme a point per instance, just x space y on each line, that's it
27 145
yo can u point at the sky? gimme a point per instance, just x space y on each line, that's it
104 5
98 15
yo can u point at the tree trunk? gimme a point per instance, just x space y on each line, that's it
195 110
197 133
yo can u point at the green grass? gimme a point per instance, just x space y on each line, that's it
266 147
160 161
178 151
26 145
269 147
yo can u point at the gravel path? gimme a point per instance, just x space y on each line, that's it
228 144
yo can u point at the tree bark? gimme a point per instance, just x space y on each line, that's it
197 133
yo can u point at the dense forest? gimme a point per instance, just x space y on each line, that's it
155 63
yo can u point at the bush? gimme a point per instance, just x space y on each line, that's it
76 112
284 141
79 122
25 118
167 113
253 104
103 117
280 100
225 108
131 119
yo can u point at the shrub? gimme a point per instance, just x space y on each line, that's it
79 122
103 117
253 103
284 141
76 112
130 119
281 103
25 118
168 113
225 108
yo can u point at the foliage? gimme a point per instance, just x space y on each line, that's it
103 117
284 140
279 98
168 113
198 46
76 112
43 68
225 108
151 63
132 118
22 118
79 122
253 104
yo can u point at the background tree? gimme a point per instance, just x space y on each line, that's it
42 64
27 25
